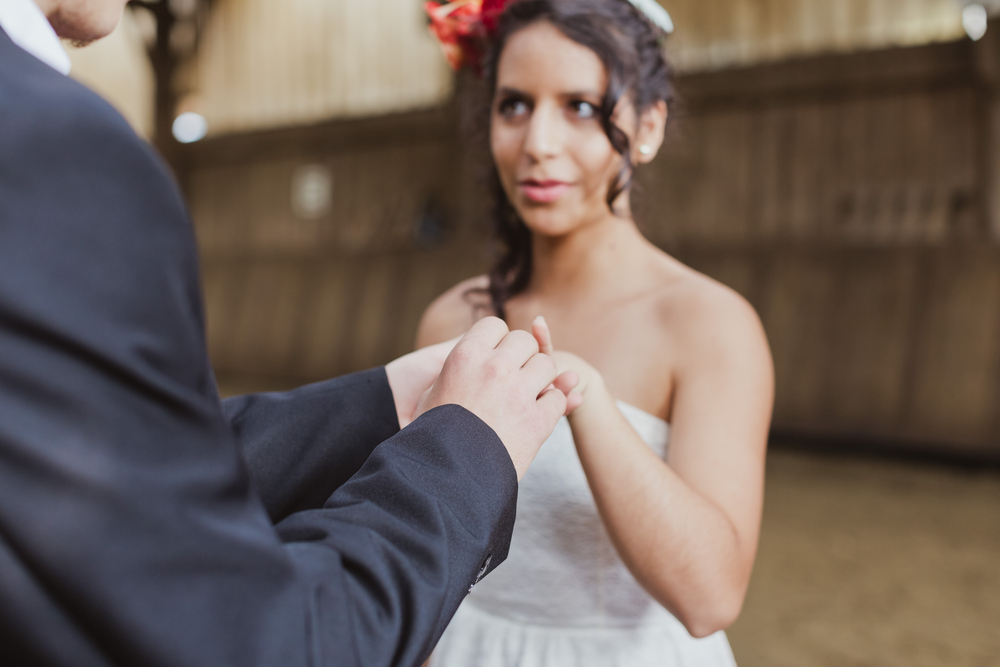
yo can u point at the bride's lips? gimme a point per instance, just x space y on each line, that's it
543 192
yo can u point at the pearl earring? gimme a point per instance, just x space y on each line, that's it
645 149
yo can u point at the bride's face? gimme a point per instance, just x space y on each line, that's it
555 161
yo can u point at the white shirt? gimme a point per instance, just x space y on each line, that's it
27 27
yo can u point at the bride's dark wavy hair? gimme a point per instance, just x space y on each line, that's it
630 47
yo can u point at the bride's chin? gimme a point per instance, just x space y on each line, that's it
548 220
549 225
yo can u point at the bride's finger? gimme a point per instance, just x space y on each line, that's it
569 384
540 330
573 401
566 382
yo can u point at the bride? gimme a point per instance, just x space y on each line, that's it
637 525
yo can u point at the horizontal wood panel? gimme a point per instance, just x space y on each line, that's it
893 160
266 64
899 345
378 197
297 321
269 64
718 34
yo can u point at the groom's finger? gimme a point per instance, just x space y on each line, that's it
518 347
487 332
540 372
552 403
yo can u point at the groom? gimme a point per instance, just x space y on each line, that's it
143 522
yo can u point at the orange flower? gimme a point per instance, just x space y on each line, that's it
464 28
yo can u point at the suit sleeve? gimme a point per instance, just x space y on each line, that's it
302 445
130 533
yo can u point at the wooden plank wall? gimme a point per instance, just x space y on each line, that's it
291 300
265 64
272 64
720 34
873 149
847 197
899 346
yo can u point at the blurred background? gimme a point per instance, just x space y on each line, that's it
835 161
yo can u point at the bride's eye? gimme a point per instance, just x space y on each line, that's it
583 109
512 107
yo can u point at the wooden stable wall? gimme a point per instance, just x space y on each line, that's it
876 149
265 64
849 198
721 34
290 299
897 345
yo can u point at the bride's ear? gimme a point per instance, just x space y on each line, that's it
649 137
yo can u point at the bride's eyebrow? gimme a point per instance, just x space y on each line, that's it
582 94
505 91
508 92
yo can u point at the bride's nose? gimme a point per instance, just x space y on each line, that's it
544 136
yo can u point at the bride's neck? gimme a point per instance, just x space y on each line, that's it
594 259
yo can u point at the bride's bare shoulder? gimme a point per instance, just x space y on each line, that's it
710 320
452 313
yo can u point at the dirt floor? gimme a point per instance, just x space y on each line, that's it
874 563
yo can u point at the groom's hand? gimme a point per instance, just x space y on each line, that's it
502 378
411 376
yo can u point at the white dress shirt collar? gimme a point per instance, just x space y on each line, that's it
27 27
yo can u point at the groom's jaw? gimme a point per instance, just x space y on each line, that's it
83 21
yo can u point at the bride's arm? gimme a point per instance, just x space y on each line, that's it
688 530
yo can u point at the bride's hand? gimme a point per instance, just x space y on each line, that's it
589 377
571 367
411 377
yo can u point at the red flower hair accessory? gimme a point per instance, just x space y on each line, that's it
464 28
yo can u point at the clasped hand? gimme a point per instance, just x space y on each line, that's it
501 376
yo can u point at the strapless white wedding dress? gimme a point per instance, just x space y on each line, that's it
563 597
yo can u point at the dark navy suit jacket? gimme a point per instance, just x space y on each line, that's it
144 522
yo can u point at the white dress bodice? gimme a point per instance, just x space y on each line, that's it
563 597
